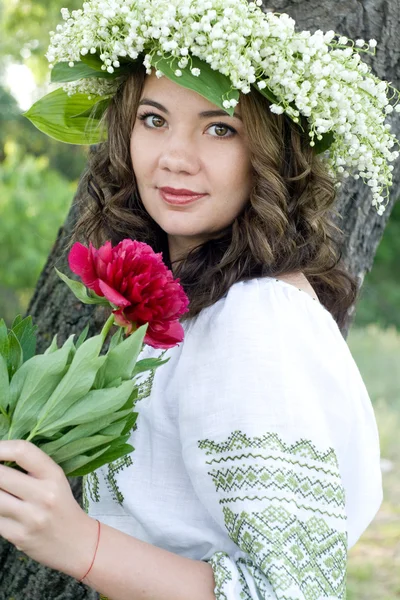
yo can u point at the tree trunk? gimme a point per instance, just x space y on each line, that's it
55 310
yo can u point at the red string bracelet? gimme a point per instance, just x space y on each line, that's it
95 552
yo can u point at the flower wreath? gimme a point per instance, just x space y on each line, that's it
219 48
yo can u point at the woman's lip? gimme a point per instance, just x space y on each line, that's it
180 191
179 199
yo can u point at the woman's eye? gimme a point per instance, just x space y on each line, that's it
222 131
152 121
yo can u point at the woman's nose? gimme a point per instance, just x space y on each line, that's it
178 153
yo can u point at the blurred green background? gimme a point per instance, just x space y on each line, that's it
38 178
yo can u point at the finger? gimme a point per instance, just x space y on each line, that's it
10 506
11 531
28 456
18 484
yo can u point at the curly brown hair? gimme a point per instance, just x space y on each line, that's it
287 226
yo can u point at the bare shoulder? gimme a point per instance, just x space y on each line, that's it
299 280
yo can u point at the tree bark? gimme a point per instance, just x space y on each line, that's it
55 310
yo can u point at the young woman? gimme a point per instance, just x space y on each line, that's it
256 461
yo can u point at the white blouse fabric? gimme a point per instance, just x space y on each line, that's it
256 449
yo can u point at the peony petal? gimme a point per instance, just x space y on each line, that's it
78 258
105 252
81 263
164 335
112 295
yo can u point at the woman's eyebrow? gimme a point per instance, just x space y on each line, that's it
207 114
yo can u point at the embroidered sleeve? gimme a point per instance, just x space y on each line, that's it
270 402
283 505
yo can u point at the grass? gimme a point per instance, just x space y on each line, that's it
374 562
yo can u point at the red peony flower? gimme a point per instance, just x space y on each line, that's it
134 279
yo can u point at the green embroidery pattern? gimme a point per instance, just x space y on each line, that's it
244 592
113 469
262 583
270 441
222 567
293 530
90 486
259 477
222 573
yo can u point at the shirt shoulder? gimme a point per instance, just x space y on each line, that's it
264 311
269 344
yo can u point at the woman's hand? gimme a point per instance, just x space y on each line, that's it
39 514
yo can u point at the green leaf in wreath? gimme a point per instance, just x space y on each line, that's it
85 69
96 111
127 64
324 144
267 94
54 115
212 85
63 73
93 61
81 292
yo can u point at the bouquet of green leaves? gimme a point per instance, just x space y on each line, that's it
74 402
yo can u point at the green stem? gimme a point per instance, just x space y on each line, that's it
107 326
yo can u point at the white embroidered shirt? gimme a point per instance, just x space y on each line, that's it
256 449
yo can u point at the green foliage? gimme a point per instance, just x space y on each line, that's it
377 353
380 295
374 562
25 27
9 112
24 38
34 202
21 133
68 160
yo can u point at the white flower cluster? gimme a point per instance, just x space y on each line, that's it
319 76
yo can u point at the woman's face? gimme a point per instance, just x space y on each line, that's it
183 142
